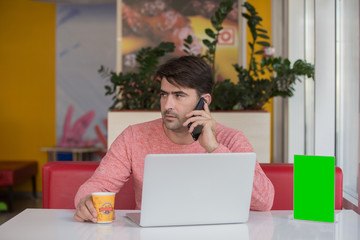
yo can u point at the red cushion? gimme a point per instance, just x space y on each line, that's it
12 172
281 175
61 180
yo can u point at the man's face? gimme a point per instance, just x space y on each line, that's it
176 102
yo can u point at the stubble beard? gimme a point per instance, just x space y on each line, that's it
175 124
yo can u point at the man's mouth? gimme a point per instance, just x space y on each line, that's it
168 116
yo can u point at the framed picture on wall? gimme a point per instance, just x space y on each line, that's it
143 23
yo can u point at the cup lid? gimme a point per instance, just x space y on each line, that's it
103 193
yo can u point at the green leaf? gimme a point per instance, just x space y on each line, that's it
189 39
108 89
264 44
222 8
259 52
218 17
207 43
287 62
187 46
210 33
263 36
213 21
261 30
245 15
165 46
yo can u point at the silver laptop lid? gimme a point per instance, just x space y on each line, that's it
188 189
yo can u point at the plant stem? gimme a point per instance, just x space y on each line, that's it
214 68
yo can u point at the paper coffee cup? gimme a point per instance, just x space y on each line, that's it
104 205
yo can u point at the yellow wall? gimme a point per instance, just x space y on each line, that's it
27 82
263 7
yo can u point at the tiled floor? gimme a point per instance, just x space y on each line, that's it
20 204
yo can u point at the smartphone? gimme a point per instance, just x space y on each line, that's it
197 130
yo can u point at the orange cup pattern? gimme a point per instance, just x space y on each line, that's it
104 205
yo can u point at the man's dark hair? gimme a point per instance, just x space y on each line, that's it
187 71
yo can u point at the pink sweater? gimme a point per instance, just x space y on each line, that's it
128 151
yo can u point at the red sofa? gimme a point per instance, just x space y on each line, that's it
281 176
61 181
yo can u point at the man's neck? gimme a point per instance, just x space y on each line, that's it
181 137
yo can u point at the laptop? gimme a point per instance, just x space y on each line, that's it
193 189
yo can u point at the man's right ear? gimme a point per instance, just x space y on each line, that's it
207 98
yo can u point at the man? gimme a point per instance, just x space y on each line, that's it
184 81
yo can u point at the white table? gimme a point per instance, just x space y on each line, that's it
59 224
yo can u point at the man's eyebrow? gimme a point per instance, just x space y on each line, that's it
180 92
175 92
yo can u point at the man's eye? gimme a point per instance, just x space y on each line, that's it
179 95
162 94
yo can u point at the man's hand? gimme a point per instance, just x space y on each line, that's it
207 137
85 210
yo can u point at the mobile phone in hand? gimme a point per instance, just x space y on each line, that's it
197 130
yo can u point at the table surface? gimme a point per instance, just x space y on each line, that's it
59 224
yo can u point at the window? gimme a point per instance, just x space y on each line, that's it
327 117
347 95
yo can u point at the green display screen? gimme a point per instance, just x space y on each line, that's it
314 188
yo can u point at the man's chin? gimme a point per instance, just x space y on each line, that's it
172 125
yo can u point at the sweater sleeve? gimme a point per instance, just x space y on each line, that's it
114 169
263 192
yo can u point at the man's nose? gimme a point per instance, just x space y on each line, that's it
169 102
